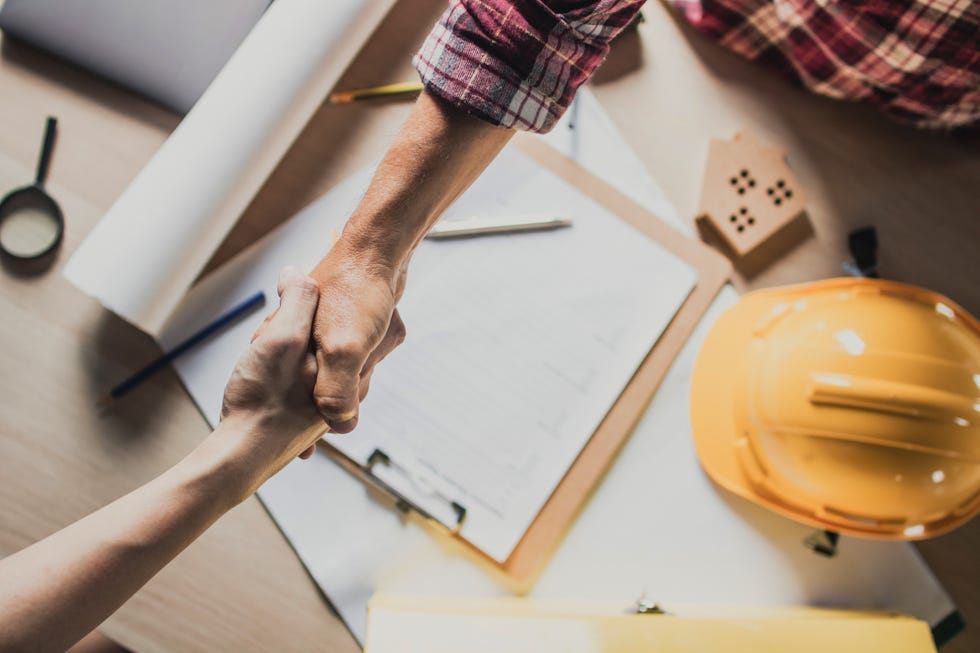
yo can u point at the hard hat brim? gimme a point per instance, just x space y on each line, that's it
720 368
713 390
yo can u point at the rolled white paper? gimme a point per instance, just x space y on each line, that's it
147 250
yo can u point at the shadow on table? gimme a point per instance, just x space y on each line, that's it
121 350
79 81
625 56
919 188
30 268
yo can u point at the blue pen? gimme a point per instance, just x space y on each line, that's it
232 315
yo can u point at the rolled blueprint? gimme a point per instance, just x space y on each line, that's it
147 250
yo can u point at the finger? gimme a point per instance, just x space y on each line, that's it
308 373
336 390
298 298
394 336
365 385
262 327
310 450
343 420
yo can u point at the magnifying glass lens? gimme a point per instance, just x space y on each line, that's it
28 227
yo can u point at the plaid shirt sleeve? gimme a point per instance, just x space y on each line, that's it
916 60
518 63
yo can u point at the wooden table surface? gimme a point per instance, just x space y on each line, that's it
240 587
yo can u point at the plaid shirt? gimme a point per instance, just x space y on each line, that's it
517 63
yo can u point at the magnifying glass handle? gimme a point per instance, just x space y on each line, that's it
46 147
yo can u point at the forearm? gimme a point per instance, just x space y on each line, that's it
56 591
437 154
488 67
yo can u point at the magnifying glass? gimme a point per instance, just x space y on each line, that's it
31 224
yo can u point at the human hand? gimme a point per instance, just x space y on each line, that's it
268 408
356 325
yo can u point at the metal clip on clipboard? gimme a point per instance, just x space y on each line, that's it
367 475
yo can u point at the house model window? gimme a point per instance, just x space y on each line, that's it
748 193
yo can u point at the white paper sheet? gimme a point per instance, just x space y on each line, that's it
519 345
656 524
147 250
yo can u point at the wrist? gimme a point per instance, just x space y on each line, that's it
220 466
377 243
360 256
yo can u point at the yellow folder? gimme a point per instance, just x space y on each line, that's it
405 624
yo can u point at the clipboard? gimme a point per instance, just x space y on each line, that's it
540 540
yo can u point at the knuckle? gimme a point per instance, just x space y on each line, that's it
286 344
365 387
308 287
398 329
332 406
343 351
298 283
325 405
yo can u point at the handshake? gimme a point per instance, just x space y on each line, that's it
309 365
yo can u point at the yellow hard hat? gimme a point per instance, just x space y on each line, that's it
849 404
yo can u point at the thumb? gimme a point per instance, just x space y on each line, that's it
298 298
336 392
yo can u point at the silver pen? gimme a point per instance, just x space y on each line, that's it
478 226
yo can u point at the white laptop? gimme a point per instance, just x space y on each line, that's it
167 50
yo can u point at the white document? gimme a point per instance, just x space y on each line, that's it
519 345
145 253
656 524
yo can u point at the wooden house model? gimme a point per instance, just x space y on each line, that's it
748 193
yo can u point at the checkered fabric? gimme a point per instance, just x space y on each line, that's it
916 60
517 63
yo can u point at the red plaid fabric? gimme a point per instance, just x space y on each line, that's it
517 63
916 60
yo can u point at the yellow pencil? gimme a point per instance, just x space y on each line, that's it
388 90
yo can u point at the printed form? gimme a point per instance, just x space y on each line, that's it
518 345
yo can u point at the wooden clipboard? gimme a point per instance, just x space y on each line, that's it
540 540
553 521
